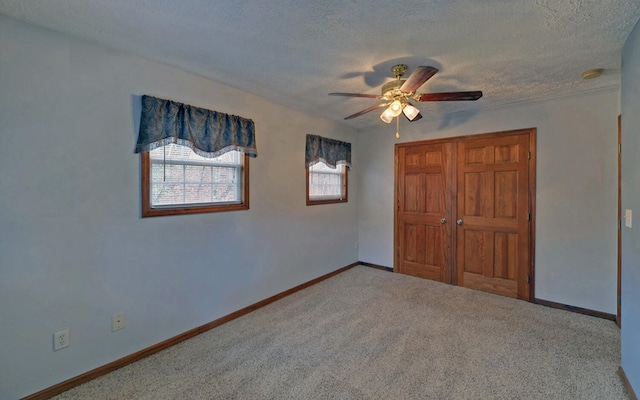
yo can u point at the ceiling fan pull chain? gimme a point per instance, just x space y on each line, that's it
397 127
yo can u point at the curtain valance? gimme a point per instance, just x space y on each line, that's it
329 151
209 133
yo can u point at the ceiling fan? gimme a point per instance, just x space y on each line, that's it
397 93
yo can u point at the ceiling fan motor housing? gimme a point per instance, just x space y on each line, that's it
391 90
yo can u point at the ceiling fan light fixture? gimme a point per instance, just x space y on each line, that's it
410 111
387 116
396 108
392 111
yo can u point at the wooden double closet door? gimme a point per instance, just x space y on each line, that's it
464 211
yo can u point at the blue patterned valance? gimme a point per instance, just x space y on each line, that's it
208 133
329 151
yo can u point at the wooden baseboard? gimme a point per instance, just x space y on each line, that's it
376 266
117 364
579 310
627 384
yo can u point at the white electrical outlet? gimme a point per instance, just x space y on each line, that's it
61 340
118 321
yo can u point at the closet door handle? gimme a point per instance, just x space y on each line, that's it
443 221
459 222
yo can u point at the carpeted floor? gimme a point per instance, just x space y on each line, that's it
371 334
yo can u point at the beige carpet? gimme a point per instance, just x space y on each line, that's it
371 334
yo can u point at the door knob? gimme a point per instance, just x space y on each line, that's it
443 221
459 222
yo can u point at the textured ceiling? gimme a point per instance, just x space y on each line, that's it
294 52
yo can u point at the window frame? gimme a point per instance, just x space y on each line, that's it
149 211
345 189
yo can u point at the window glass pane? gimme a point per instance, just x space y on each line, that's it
325 182
225 175
224 192
197 193
166 193
197 173
181 177
166 173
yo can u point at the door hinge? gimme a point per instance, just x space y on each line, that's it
529 217
619 224
529 155
619 300
619 148
528 278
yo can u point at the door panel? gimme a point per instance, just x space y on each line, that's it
474 249
414 198
493 204
500 286
506 184
423 241
505 255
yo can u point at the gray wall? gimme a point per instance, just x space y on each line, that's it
631 200
73 248
576 198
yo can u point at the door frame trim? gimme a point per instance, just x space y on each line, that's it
619 290
532 132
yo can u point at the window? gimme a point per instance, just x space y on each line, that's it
175 180
326 185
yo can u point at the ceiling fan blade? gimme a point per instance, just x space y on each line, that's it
367 110
369 96
419 76
449 96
